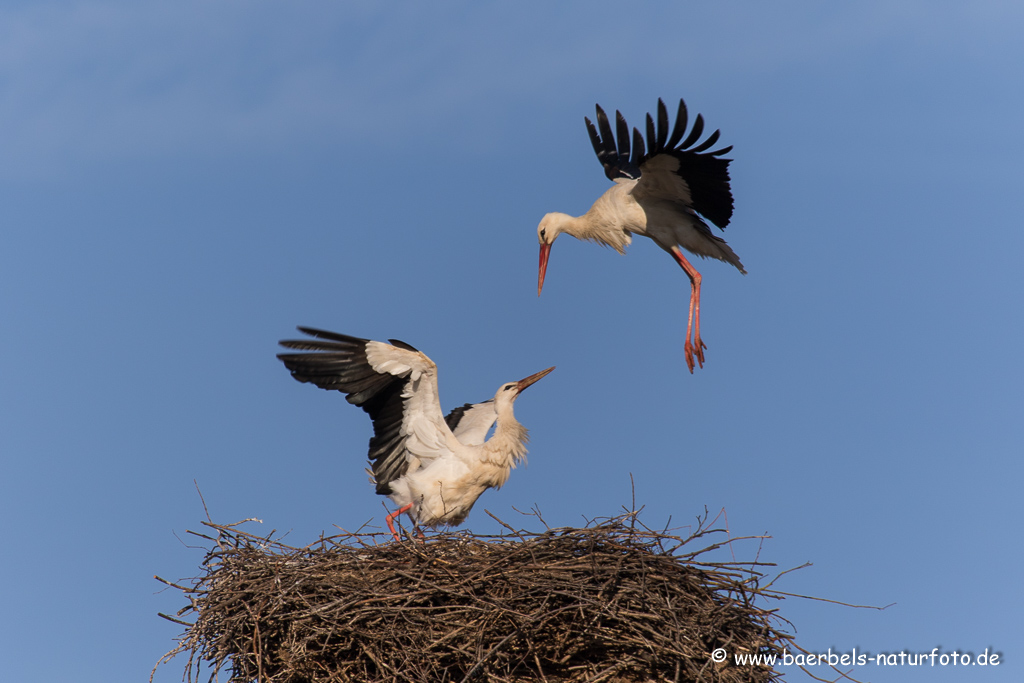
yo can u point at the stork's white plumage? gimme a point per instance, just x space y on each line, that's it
433 467
662 190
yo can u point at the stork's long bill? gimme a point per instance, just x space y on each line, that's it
545 250
523 383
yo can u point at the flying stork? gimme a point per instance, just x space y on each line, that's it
665 189
432 467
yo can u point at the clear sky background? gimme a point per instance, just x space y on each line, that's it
183 183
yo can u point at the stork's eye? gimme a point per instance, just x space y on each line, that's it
510 386
543 234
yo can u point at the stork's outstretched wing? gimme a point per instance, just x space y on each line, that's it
667 166
394 383
471 422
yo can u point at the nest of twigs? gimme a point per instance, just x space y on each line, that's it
614 601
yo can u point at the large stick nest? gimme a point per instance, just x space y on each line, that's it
615 601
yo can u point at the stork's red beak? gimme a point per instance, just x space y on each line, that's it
545 249
523 383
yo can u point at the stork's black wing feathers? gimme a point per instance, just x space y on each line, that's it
707 144
705 173
452 419
615 165
695 132
638 148
606 131
623 134
471 422
681 120
402 345
387 445
337 361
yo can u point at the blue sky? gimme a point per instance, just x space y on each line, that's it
181 184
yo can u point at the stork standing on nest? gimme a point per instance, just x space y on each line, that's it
432 467
664 189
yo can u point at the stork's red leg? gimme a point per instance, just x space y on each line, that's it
393 516
693 321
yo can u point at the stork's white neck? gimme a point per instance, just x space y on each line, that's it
608 222
507 447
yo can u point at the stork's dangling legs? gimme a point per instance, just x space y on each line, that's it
693 321
395 515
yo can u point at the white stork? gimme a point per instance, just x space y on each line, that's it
432 467
662 190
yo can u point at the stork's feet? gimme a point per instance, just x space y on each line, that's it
699 351
418 536
395 515
692 352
